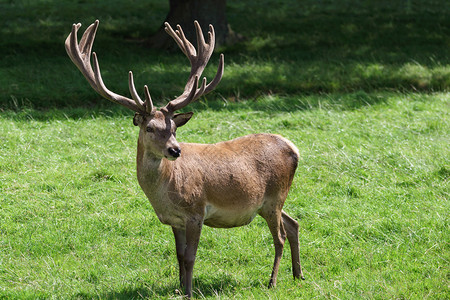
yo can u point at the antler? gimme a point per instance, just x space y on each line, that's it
198 61
80 54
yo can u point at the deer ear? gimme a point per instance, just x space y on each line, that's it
138 119
181 119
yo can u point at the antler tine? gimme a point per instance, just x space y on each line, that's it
201 45
211 37
133 92
87 40
99 80
212 85
67 43
199 59
190 49
175 36
148 101
201 90
80 54
107 94
77 57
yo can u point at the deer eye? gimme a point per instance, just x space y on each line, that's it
150 129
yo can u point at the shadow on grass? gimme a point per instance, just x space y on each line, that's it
214 285
296 48
268 104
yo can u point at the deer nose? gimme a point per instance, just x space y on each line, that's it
174 152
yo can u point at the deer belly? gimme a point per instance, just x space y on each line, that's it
223 218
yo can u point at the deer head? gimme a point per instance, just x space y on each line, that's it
157 126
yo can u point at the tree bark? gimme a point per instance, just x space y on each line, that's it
185 12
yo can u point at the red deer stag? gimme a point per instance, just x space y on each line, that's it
221 185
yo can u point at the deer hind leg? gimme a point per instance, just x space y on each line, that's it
291 227
273 219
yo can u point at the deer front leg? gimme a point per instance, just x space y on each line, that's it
193 231
180 244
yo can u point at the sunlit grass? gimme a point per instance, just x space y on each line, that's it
371 194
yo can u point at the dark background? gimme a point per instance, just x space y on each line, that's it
289 47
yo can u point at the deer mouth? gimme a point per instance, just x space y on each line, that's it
171 158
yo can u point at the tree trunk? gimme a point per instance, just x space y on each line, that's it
185 12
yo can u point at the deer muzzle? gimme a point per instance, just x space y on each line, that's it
174 152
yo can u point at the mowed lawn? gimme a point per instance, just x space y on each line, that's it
370 192
360 88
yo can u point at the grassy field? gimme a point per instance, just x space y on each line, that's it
362 94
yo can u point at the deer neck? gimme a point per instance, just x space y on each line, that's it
153 172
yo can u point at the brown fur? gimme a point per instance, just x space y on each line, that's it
220 185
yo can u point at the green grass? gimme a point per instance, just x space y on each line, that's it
371 194
360 88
